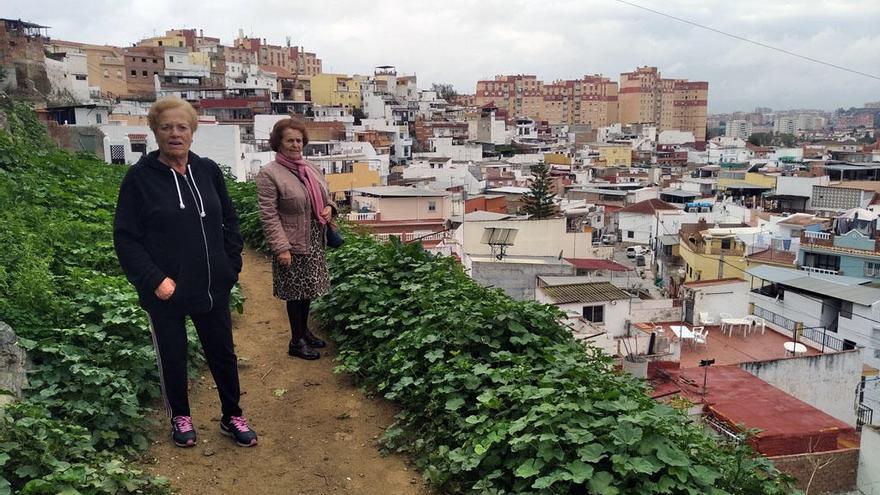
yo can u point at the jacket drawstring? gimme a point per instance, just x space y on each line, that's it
177 184
202 202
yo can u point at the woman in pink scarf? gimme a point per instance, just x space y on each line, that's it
295 209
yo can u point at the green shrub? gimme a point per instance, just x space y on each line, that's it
497 397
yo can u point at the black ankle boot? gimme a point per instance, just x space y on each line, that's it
314 341
301 349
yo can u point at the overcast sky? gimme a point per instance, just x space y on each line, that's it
460 42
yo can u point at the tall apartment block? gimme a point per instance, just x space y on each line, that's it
590 100
646 98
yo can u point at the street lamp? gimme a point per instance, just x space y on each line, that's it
705 363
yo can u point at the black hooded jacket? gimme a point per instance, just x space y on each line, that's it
179 226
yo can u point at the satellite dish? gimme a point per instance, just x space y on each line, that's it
499 239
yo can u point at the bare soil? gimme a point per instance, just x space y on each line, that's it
317 432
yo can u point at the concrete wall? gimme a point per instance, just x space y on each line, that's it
825 381
534 238
615 312
655 310
640 225
221 143
731 298
838 475
869 461
518 280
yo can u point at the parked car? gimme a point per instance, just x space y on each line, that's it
609 239
633 251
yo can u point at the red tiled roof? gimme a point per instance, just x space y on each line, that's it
648 207
773 256
597 264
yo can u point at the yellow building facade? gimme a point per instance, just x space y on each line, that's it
360 176
712 257
614 155
336 89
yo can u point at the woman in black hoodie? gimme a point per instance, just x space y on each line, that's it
178 241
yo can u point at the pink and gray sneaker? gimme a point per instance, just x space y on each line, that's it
183 433
237 428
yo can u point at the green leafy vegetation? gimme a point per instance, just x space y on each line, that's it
94 373
497 397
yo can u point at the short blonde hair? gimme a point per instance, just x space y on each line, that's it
169 103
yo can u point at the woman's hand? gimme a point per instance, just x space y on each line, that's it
165 289
327 214
284 258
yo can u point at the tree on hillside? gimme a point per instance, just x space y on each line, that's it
444 90
786 140
540 201
761 139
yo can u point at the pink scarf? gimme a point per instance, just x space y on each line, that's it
310 179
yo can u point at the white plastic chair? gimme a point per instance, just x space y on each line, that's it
658 330
701 337
705 319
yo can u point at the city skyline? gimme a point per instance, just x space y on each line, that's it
461 44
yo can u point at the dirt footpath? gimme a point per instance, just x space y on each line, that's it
317 432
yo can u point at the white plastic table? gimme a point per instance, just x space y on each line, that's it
795 348
735 322
682 332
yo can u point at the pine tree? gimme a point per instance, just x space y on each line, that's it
540 201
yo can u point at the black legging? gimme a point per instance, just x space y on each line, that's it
298 314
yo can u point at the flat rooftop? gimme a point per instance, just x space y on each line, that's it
787 425
726 349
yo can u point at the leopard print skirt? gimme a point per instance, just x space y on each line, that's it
307 276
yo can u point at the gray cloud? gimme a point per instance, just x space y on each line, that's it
462 41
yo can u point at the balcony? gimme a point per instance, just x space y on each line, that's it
370 216
816 238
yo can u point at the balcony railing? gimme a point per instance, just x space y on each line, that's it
813 269
363 217
775 319
817 235
864 416
412 236
821 337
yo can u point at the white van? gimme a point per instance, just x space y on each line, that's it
633 251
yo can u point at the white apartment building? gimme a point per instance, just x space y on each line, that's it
738 128
785 125
179 62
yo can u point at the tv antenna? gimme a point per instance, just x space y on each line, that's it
499 239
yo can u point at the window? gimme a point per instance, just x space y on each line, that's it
824 261
595 314
725 243
144 73
171 58
160 42
155 61
872 269
106 73
134 72
630 234
144 60
432 206
846 310
98 119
